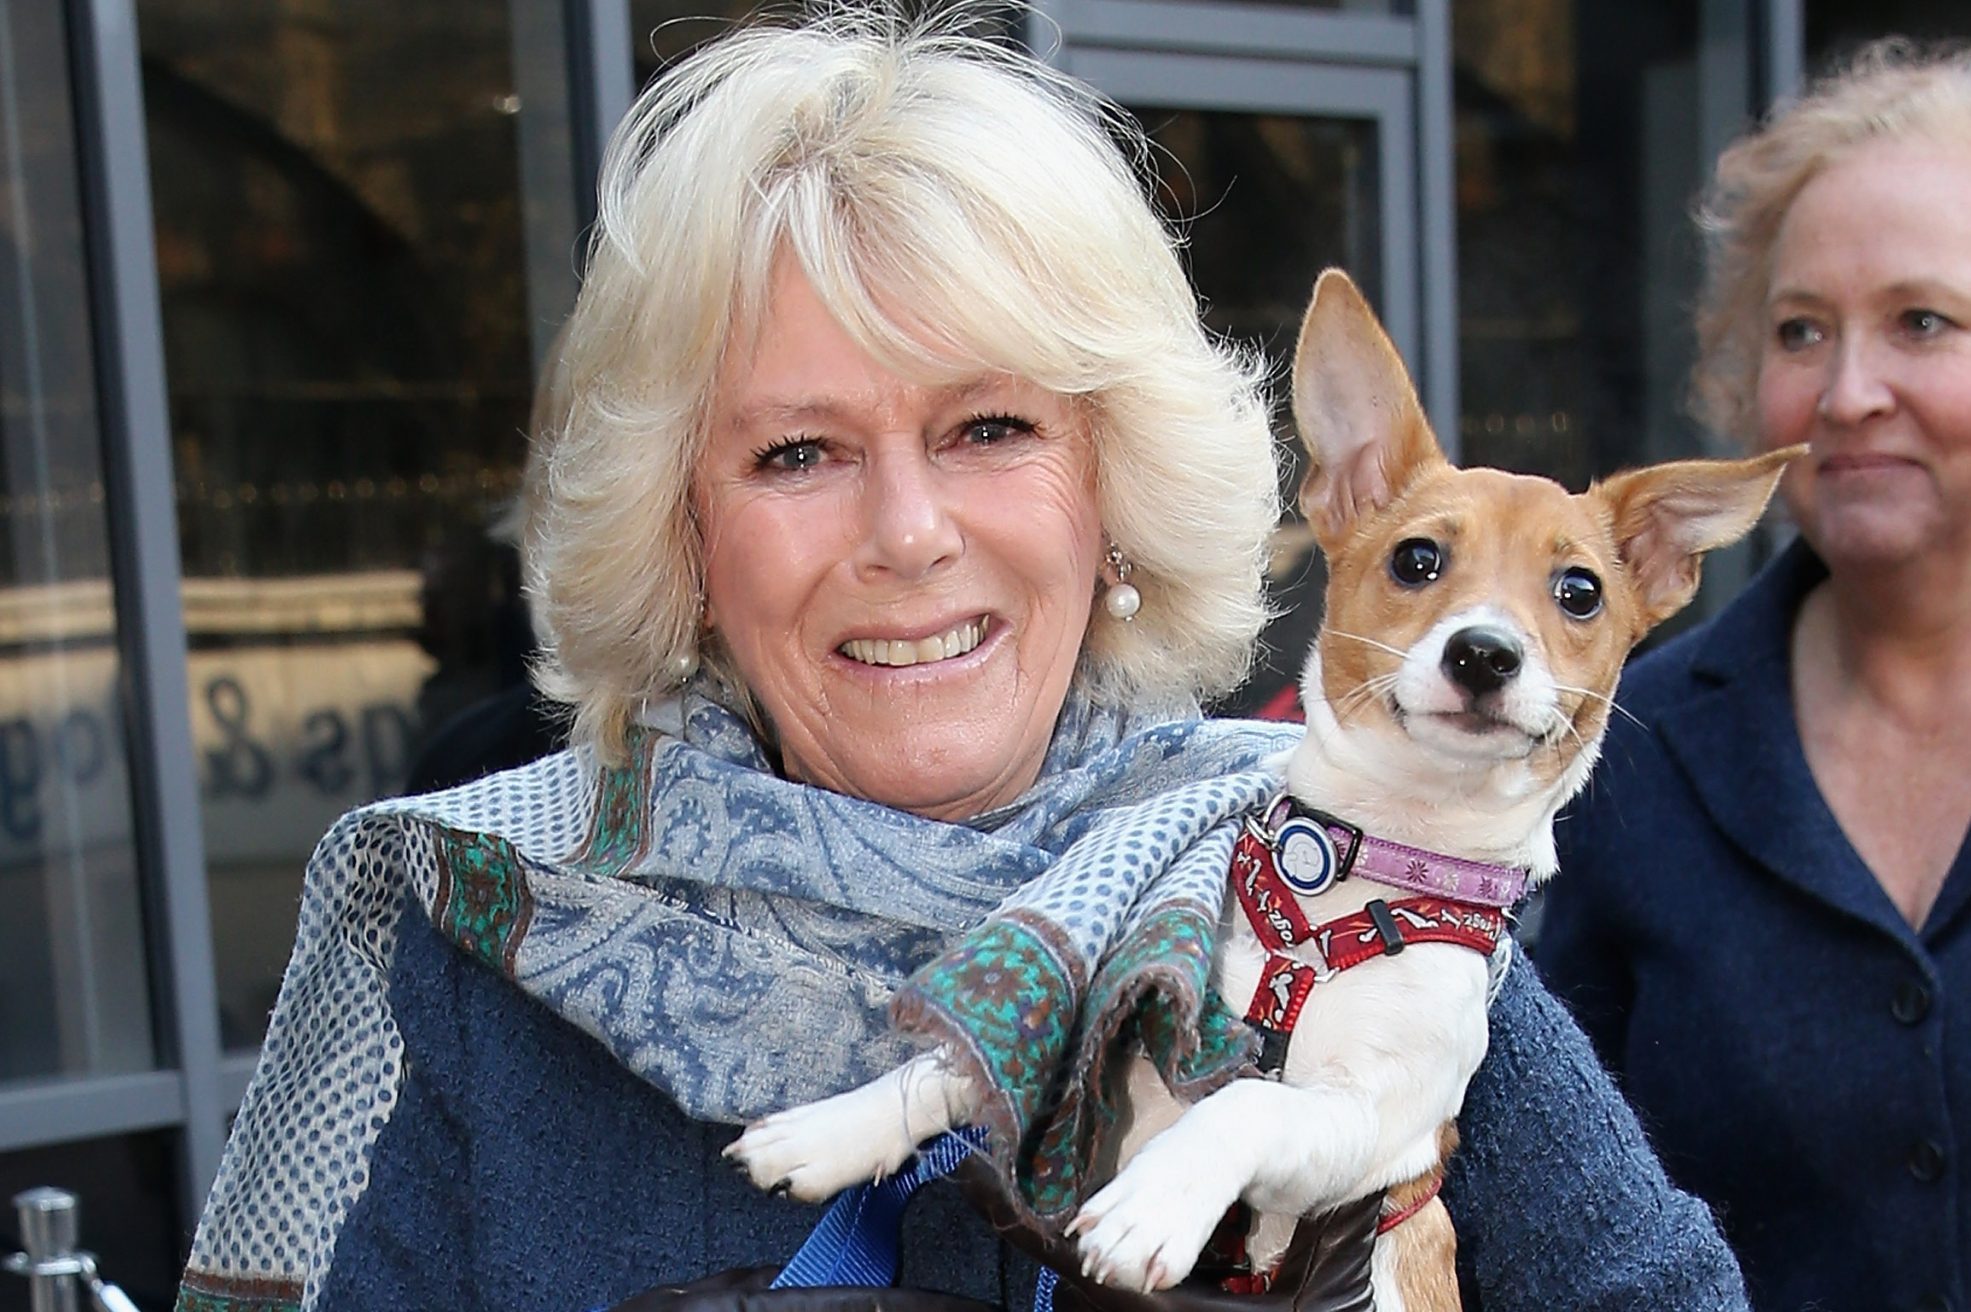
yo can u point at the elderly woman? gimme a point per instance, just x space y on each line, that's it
901 514
1762 911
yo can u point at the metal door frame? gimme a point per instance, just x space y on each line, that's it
1391 71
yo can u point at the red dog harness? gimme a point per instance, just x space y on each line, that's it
1379 929
1300 955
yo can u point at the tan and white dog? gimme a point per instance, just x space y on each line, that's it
1456 697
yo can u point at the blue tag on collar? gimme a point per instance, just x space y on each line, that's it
1305 855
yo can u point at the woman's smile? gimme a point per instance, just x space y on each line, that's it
1867 462
939 648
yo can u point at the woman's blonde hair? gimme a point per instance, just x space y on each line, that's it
913 168
1892 90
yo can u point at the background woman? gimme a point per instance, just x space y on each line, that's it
1762 916
901 514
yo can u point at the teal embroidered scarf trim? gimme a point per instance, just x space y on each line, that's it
1109 948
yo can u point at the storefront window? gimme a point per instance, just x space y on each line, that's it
1264 203
342 268
1580 150
74 985
1549 290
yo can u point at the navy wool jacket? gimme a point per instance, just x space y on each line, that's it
1798 1054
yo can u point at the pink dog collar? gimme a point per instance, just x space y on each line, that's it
1314 850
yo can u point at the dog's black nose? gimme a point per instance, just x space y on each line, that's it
1481 660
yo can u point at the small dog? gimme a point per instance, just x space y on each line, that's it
1456 697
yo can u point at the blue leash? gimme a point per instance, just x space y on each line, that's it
856 1241
1043 1289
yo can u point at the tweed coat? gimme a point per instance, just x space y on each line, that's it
1799 1055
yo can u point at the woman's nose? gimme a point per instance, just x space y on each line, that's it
1855 388
909 528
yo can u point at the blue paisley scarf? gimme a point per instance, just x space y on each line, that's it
709 922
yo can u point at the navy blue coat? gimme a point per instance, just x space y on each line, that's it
1800 1057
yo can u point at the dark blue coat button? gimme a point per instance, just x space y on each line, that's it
1912 1001
1926 1161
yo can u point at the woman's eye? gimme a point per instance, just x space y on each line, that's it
1579 592
1796 334
1415 562
791 456
1923 323
990 430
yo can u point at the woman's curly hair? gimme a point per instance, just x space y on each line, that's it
1891 90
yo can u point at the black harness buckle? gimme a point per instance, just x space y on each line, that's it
1272 1050
1390 932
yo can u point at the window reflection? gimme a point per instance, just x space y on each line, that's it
1265 202
1550 280
664 31
1581 146
74 991
345 310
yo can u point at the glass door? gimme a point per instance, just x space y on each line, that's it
1275 159
342 213
74 983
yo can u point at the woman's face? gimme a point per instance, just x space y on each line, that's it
1868 354
903 574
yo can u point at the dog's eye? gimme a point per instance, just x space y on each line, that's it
1416 561
1579 592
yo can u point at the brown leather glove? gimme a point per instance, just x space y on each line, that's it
744 1289
1325 1269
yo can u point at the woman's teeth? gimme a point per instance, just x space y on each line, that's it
905 651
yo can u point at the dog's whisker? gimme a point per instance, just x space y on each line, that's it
1613 705
1367 641
1331 702
1363 693
1379 680
1353 697
1565 726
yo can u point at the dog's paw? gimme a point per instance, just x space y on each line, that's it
1145 1229
815 1151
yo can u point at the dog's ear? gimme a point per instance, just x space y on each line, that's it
1357 412
1667 516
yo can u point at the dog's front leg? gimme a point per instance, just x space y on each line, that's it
820 1148
1267 1142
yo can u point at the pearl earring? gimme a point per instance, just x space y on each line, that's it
1121 599
682 665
